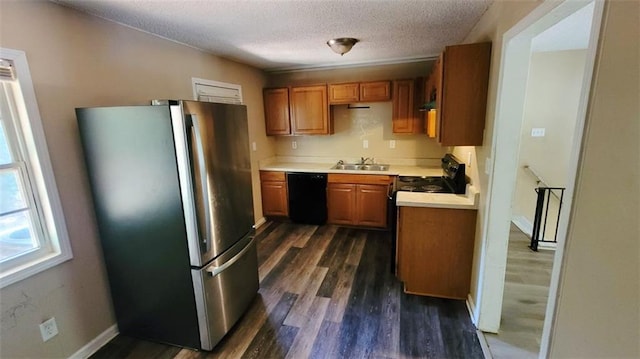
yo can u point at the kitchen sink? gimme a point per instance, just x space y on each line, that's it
357 167
347 167
375 167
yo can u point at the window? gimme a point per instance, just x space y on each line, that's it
216 91
33 234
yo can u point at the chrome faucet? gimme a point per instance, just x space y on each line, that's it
363 161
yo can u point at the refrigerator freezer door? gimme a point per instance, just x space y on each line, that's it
212 145
224 290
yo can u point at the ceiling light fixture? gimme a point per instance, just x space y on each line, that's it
342 45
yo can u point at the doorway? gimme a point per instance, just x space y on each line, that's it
510 124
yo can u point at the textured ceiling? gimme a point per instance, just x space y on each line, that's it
285 34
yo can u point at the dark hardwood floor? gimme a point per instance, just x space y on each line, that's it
328 292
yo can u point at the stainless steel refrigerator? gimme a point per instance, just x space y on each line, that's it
172 194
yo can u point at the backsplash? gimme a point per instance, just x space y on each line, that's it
352 128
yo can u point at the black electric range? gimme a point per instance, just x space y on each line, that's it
453 180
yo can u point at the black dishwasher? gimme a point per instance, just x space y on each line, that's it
307 197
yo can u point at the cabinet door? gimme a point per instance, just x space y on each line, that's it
341 203
433 94
274 198
435 250
465 80
276 111
405 119
375 91
371 204
309 110
344 93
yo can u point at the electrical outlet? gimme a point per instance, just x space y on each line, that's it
487 166
392 144
537 132
294 145
253 146
48 329
469 159
365 143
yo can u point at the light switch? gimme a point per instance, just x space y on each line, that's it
253 146
365 143
487 166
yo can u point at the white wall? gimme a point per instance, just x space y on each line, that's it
553 93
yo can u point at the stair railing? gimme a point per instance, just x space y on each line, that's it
542 205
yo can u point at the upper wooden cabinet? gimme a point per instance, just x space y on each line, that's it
459 83
406 118
375 91
345 93
301 110
276 111
309 110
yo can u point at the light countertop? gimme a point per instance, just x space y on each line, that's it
394 170
469 200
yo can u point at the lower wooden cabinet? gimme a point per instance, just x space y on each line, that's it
358 200
371 205
341 203
435 250
274 194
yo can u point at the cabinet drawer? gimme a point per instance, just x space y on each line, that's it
272 176
359 179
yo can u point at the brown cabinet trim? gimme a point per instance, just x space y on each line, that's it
359 179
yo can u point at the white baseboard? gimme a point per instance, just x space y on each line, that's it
484 345
260 222
97 343
523 223
471 307
548 245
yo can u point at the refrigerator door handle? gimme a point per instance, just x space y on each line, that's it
215 270
203 210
